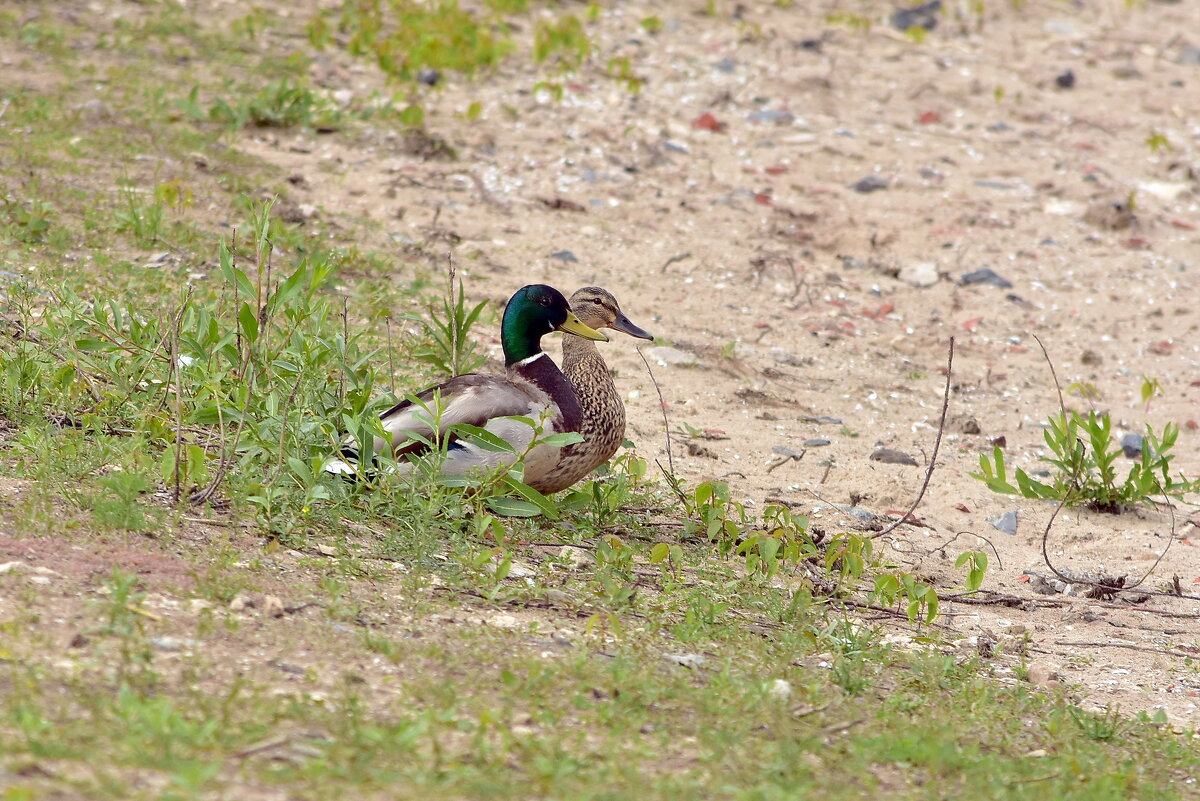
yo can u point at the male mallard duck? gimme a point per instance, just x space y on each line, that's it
533 386
603 424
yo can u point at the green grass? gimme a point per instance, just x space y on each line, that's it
481 712
426 645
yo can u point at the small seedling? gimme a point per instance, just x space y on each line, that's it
1150 389
976 563
450 349
1157 141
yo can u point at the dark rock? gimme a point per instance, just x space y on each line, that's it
986 275
971 426
1065 81
564 255
725 65
816 443
892 456
429 77
1131 444
871 183
922 16
1091 358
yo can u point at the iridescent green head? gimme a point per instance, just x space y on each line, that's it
533 312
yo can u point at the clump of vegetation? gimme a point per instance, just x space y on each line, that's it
281 104
1085 454
405 37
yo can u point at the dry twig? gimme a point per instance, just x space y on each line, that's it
937 443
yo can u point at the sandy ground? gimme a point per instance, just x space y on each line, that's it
723 205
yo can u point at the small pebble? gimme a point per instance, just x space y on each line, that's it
892 456
1066 80
693 661
859 513
1042 674
816 442
776 115
922 273
922 16
869 183
1131 444
558 598
986 275
429 77
564 255
1006 522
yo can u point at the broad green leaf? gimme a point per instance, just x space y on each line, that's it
512 507
249 322
544 504
561 440
483 438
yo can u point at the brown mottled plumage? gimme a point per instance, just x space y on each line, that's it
603 423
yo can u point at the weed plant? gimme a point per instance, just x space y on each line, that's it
1085 454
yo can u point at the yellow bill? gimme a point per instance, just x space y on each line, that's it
573 325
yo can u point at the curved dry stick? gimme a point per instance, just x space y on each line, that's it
662 407
937 443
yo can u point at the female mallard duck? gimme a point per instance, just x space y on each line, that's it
532 387
603 423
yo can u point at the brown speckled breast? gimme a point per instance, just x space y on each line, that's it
602 425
